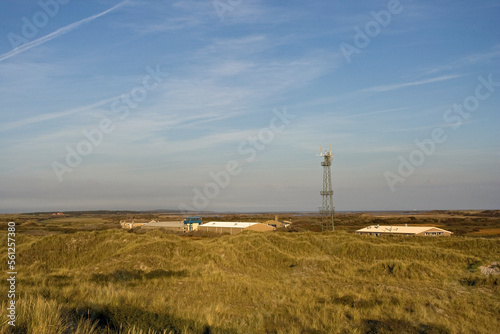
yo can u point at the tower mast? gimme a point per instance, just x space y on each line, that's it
327 208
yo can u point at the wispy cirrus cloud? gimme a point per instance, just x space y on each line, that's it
385 88
376 112
469 60
59 32
54 115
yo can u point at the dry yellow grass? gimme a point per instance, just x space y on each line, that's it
487 231
118 282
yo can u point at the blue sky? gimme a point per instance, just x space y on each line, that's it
171 93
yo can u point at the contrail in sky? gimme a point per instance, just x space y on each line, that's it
57 33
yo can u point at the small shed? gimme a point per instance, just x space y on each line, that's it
234 227
133 223
404 230
278 223
192 223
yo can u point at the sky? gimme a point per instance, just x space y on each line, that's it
223 105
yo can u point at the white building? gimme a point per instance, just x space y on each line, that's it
404 230
234 227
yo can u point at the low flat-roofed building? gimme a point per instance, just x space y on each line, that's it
234 227
174 226
404 230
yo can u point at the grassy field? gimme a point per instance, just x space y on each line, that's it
83 275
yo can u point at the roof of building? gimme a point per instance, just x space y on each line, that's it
399 229
229 224
136 221
278 222
164 224
192 220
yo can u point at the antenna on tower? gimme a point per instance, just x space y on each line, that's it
327 209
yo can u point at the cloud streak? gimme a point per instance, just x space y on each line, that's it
469 60
386 88
46 117
57 33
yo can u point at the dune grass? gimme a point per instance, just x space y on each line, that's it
112 281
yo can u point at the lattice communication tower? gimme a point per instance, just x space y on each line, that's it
327 209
